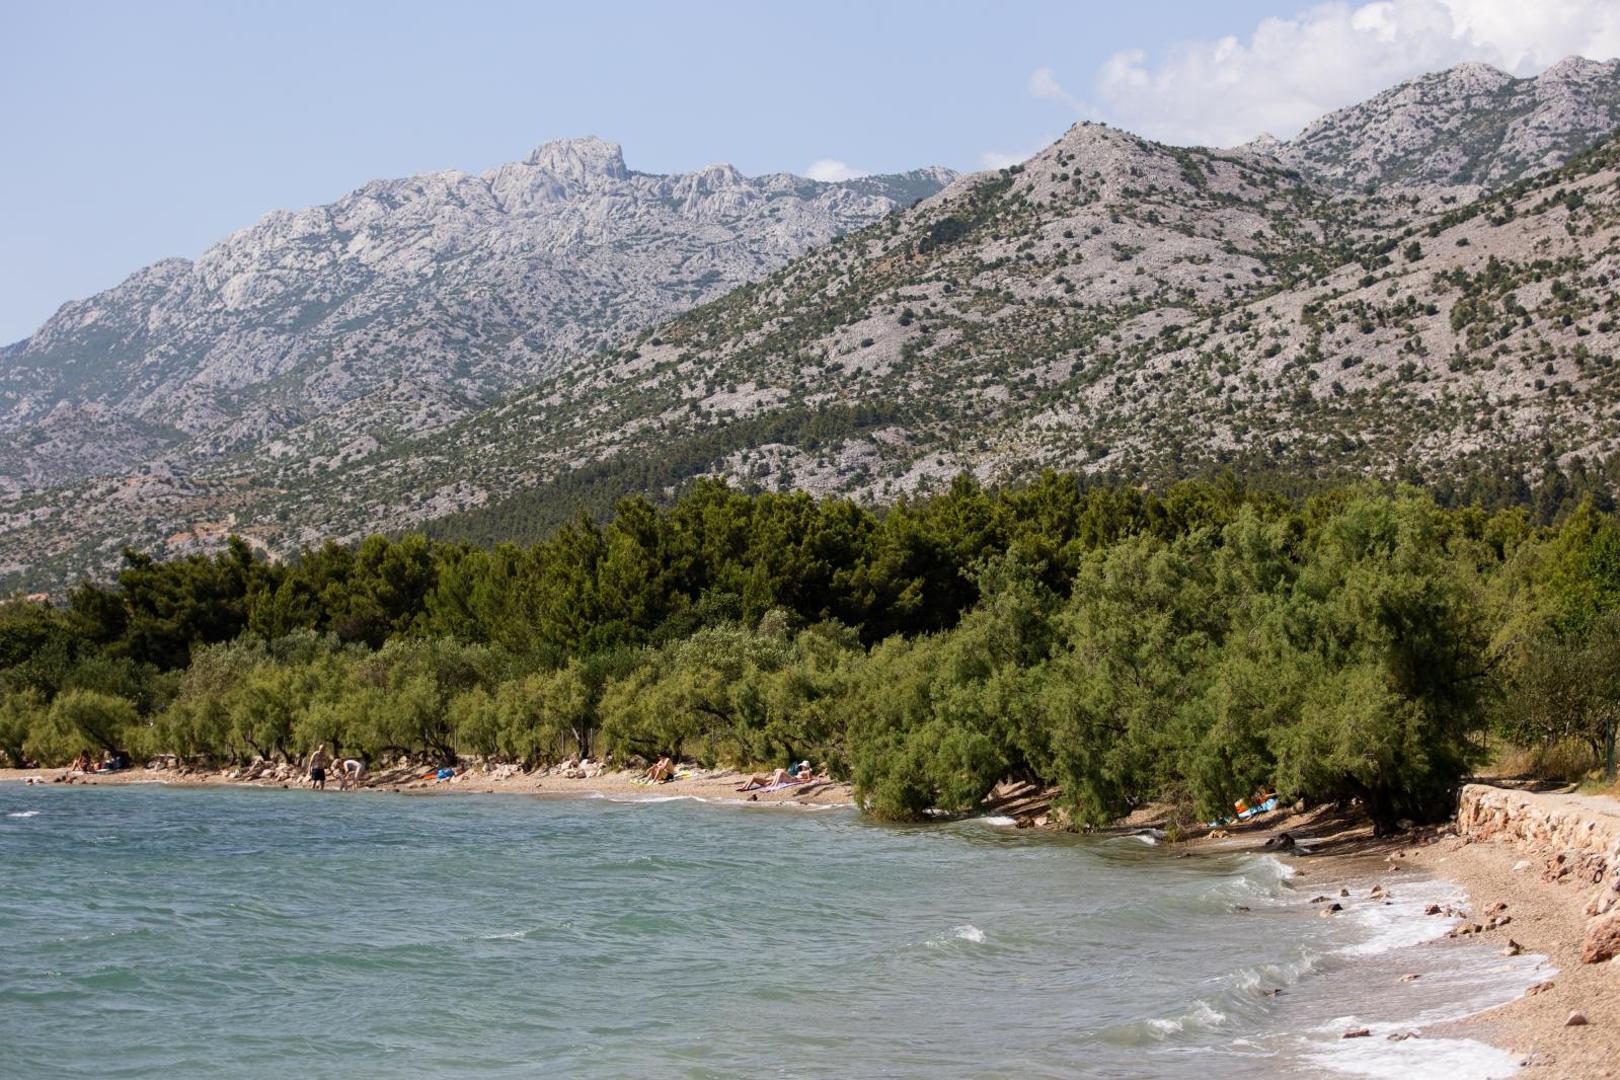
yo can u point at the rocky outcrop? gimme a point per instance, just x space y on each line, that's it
1577 839
1110 306
1466 129
399 308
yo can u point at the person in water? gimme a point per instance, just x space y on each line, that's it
662 771
350 772
318 763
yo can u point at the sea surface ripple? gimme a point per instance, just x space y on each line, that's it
154 932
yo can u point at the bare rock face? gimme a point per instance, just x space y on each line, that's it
399 308
1466 129
472 353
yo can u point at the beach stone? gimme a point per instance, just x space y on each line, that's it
1602 939
1513 948
1576 1019
1541 987
1356 1033
1412 977
1344 892
1432 909
1402 1036
1605 899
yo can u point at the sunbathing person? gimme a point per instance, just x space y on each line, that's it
799 774
662 771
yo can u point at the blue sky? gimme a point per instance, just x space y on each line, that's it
137 131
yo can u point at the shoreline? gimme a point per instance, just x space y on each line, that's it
710 785
1519 895
1520 906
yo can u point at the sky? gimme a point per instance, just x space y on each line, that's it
131 132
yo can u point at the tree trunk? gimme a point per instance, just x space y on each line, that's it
1380 807
1608 765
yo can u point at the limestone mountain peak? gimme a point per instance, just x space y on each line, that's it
580 159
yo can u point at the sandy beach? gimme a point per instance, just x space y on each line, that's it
1548 918
714 785
1516 897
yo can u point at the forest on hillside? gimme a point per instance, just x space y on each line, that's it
1192 645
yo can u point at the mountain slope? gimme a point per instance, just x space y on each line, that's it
400 307
1114 305
883 348
1480 343
1470 127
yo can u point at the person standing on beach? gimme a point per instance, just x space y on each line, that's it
318 761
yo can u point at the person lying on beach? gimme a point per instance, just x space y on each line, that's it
350 772
799 774
111 762
662 771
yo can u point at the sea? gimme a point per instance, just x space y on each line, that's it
150 931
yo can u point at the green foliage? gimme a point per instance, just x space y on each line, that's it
21 713
1122 645
83 720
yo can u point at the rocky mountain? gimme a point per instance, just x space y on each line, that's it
401 307
1113 305
1465 130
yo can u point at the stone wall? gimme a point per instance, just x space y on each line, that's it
1577 839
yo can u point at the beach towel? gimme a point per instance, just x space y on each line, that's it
783 785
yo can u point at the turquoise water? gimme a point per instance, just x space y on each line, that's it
181 932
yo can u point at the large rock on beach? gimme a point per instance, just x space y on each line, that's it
1602 939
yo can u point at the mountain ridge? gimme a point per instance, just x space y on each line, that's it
1464 130
463 285
1113 305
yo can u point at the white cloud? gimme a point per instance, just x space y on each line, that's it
830 171
1002 159
1043 84
1288 71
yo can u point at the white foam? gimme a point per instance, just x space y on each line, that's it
649 799
1001 820
1400 923
966 932
24 813
1414 1059
1276 866
1202 1015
